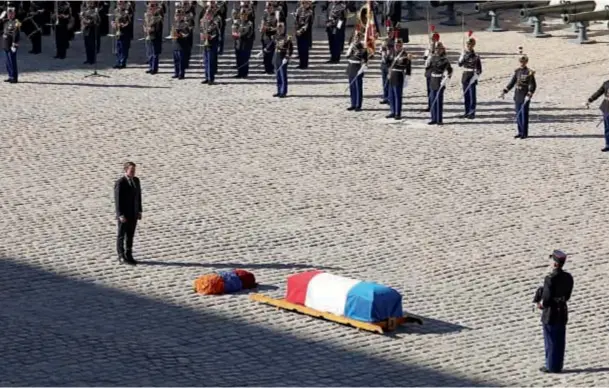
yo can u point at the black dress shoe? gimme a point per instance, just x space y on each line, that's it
181 77
276 95
470 117
427 110
517 137
129 258
606 149
432 123
210 82
357 109
390 116
384 102
523 137
174 76
397 118
154 72
543 369
439 123
351 108
204 81
13 81
463 116
116 67
7 80
281 96
148 71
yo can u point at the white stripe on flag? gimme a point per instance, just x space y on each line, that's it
328 293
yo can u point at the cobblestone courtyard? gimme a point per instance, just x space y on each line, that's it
459 218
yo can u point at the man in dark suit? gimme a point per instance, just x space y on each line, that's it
128 203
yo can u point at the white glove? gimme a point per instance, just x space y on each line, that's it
339 24
3 15
527 99
259 55
284 62
14 49
462 57
426 55
428 62
406 79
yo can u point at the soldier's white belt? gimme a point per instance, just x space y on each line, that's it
353 61
468 70
437 75
400 70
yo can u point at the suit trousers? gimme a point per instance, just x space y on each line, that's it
554 337
11 64
522 117
124 238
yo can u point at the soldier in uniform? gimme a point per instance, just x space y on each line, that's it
179 34
437 65
434 38
552 300
89 20
35 20
284 48
62 24
387 50
357 55
472 68
210 34
243 33
222 11
190 11
103 8
153 28
335 27
304 32
524 80
602 91
268 30
400 70
122 20
10 42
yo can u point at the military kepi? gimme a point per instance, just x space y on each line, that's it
558 256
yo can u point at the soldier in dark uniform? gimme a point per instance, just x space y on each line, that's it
190 12
210 35
179 34
524 80
10 42
437 66
553 298
222 11
284 48
472 68
268 30
103 8
122 19
604 107
357 55
243 33
35 20
387 50
62 22
128 208
400 70
434 38
153 28
335 27
304 32
89 20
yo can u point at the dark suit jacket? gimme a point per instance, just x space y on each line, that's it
127 199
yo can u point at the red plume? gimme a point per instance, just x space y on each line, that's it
470 33
432 28
435 37
387 23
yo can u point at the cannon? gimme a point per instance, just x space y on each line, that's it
492 6
559 9
501 5
586 16
450 12
582 20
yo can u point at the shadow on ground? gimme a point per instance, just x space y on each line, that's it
60 331
289 266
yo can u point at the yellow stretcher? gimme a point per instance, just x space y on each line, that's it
377 327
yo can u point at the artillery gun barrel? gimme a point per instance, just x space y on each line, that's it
586 16
559 9
436 4
499 5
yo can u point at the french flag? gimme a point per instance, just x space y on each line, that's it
350 298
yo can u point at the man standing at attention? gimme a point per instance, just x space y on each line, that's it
555 294
128 204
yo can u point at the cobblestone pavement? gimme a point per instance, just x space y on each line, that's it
459 218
